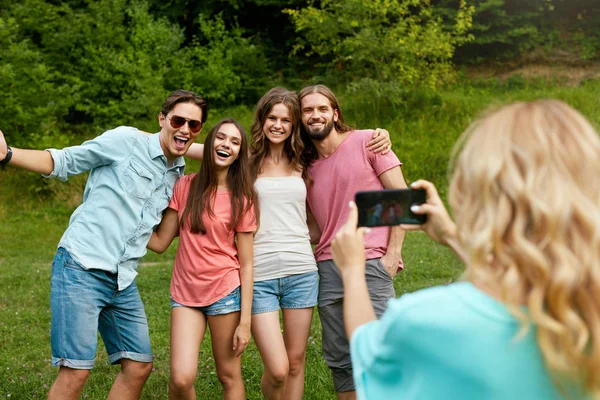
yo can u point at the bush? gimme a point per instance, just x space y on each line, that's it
30 98
589 44
83 67
403 42
224 66
501 29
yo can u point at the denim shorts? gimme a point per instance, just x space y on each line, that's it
228 304
294 291
84 302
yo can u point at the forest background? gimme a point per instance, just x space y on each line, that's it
70 70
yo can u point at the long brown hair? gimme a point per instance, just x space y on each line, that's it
259 145
310 153
204 185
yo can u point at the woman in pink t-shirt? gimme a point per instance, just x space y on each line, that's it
213 213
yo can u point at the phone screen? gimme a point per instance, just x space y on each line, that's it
389 207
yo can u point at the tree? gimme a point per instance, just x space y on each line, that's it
391 41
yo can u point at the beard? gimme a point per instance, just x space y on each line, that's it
320 135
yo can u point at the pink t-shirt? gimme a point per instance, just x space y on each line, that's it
206 265
336 179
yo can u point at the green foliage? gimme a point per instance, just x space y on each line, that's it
71 69
84 67
226 67
501 31
96 66
29 98
508 29
589 45
388 41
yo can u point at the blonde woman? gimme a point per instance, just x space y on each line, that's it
525 321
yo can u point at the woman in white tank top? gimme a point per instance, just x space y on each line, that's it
285 271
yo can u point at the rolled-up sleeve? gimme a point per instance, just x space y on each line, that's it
102 150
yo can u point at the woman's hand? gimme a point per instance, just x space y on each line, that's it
241 338
168 229
380 142
439 225
348 247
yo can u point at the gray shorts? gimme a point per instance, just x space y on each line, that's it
336 349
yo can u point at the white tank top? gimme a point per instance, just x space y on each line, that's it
282 243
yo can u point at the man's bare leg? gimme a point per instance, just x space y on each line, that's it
68 384
130 380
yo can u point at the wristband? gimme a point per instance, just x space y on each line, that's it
6 160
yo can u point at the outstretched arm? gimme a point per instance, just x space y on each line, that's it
165 233
39 161
110 147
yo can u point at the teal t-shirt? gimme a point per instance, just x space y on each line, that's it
448 342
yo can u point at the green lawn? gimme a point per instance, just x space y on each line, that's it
28 239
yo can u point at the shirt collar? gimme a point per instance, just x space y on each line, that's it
156 151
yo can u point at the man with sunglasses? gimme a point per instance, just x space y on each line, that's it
93 288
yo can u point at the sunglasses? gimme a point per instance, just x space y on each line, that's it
177 122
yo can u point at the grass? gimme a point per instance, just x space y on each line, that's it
34 212
28 242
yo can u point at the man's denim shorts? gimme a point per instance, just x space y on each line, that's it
228 304
293 291
84 302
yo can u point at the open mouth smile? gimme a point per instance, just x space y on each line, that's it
313 124
181 141
223 154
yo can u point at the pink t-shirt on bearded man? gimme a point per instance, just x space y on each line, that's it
206 265
352 167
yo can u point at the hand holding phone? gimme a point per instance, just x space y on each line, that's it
389 207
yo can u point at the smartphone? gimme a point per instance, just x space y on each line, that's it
389 207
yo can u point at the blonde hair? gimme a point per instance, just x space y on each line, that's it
525 193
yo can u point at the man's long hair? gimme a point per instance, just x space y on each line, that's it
310 152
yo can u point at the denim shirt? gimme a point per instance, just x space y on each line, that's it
129 187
